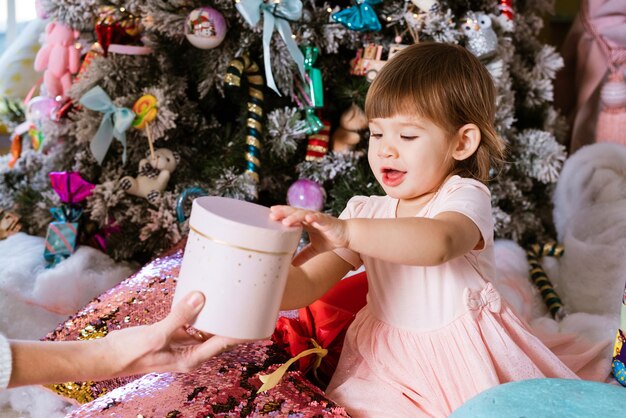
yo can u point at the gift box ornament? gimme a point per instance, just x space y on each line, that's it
239 258
62 235
116 26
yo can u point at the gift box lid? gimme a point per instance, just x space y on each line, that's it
241 224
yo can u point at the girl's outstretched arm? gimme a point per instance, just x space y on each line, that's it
415 241
411 241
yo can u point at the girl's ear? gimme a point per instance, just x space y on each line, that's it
466 142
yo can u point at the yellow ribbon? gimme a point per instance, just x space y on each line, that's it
272 379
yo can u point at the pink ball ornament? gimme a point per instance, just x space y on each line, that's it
306 194
205 27
40 108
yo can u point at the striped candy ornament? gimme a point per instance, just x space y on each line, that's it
236 69
61 241
506 9
540 278
317 145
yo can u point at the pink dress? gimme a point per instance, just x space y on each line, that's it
430 338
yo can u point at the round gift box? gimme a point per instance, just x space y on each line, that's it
239 258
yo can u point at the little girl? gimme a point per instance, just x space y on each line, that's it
434 332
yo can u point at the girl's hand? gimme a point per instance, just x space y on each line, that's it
166 345
325 232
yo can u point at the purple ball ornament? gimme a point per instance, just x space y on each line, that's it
40 108
205 27
306 194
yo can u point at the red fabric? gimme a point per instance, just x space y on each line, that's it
326 321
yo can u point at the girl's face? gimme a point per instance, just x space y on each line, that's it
409 155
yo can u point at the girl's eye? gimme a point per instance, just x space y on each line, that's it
409 137
375 135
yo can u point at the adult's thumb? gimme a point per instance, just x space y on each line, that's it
185 311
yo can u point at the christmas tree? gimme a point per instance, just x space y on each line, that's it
226 96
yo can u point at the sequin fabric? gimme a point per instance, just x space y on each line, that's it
225 386
143 298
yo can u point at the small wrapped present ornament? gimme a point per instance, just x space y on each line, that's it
62 235
116 27
320 329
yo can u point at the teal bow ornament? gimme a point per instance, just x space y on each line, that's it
360 17
66 213
276 15
115 122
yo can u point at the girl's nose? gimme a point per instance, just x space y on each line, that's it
385 149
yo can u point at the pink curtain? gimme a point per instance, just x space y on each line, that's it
577 87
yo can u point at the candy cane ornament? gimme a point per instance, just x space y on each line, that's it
540 278
236 69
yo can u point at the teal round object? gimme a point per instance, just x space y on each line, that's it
546 398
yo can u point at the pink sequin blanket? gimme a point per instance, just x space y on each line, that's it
225 385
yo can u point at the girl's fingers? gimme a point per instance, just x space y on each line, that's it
280 211
311 217
297 217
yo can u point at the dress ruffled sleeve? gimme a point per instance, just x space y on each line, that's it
472 199
353 210
5 362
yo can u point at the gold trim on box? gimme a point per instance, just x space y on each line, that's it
217 241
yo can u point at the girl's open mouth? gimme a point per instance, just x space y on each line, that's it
392 177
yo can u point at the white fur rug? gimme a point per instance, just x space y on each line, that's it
590 218
514 285
590 213
34 300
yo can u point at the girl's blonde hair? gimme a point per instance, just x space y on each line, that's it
447 85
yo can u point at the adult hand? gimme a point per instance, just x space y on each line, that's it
325 232
166 345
